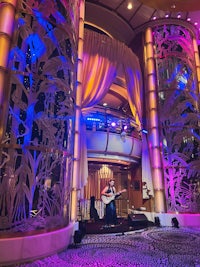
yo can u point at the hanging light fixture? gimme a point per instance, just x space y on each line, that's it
173 6
105 172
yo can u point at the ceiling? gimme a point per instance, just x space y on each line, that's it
114 18
176 5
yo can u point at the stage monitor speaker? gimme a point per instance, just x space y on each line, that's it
139 220
77 237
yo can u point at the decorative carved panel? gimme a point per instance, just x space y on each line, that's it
179 103
36 153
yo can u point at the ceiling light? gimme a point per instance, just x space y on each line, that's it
130 5
105 172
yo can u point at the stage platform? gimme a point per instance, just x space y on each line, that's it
130 223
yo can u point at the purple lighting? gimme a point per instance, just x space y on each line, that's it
113 124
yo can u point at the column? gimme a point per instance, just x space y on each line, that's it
196 56
7 16
77 148
153 124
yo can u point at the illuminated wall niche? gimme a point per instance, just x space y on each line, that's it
178 103
37 148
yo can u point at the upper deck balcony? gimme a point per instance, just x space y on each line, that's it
112 137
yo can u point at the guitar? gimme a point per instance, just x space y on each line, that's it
106 200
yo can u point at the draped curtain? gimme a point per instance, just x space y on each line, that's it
134 84
102 56
100 62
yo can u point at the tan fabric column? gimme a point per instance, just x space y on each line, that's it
7 16
153 125
77 144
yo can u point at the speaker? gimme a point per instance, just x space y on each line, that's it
137 220
175 222
157 221
77 237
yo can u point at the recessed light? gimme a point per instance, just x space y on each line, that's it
130 5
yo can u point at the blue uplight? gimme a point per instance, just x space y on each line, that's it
93 119
37 47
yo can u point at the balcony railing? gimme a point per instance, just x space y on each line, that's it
113 146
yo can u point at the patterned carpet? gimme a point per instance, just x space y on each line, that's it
162 246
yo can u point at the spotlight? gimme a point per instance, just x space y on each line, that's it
144 131
175 222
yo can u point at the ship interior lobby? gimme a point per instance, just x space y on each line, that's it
93 90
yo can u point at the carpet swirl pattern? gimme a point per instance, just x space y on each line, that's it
164 246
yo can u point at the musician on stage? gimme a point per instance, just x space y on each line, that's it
110 215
